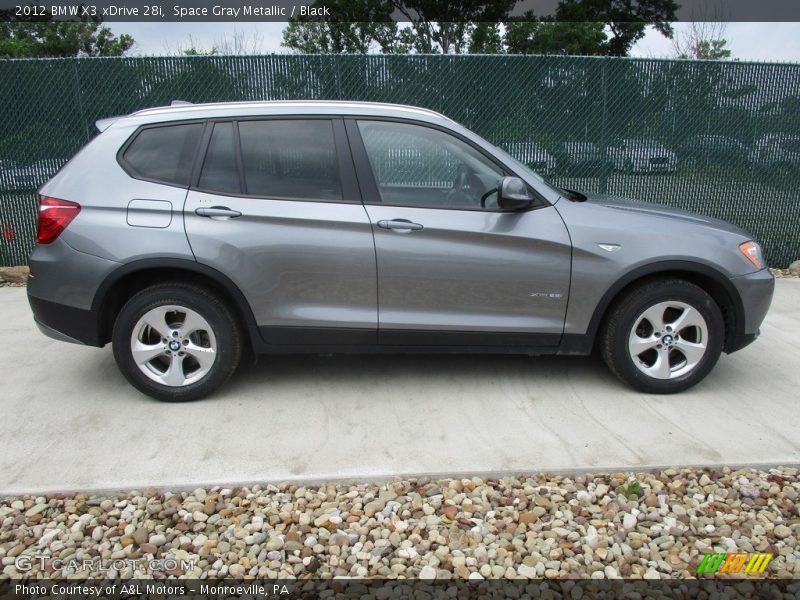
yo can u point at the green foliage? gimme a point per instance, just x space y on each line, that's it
555 37
350 33
632 490
627 20
443 26
710 50
579 27
200 52
486 39
326 37
42 37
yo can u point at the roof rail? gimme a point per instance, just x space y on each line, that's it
180 103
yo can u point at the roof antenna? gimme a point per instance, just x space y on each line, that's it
180 103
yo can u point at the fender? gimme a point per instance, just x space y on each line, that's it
242 307
582 344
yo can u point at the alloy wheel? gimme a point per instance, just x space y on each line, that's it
173 345
668 340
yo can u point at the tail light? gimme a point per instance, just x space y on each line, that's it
54 216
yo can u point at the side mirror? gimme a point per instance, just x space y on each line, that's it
513 194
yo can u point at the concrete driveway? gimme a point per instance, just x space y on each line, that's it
70 421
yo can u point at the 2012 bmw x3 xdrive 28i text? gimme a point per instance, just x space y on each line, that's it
185 234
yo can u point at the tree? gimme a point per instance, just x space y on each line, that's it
193 51
238 43
443 26
627 19
359 26
434 27
524 36
43 37
702 40
486 38
324 37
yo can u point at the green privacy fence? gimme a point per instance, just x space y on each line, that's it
719 138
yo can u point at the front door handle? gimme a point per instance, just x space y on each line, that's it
401 224
219 212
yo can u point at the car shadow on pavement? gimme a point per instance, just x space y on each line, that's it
412 371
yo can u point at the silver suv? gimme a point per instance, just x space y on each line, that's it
186 235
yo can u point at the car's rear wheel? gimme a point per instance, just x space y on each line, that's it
664 336
176 342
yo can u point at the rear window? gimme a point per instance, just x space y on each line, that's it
164 153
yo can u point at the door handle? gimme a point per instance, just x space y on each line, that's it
401 224
219 212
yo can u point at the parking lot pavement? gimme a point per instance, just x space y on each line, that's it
70 421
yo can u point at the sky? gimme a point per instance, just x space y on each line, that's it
747 41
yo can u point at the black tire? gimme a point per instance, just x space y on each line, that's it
228 339
628 311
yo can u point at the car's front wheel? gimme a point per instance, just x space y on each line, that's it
664 336
176 342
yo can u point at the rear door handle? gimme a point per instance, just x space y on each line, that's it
401 224
219 212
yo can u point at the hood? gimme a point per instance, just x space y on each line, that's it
616 203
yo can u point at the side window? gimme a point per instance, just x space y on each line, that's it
421 166
290 158
164 153
220 173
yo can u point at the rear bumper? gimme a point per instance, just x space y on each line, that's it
61 291
56 335
65 323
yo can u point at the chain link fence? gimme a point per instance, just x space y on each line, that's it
718 138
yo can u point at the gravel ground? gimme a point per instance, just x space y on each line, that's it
785 273
649 525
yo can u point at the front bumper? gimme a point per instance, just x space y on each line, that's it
755 292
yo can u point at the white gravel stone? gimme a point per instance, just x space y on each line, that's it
526 526
629 521
526 571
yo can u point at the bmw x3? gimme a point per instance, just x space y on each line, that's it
189 234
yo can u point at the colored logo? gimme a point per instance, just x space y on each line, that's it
734 562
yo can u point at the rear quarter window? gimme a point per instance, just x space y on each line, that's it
164 153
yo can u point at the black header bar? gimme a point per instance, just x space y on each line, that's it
402 10
176 589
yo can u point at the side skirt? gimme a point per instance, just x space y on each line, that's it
332 340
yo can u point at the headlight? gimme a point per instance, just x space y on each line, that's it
752 252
